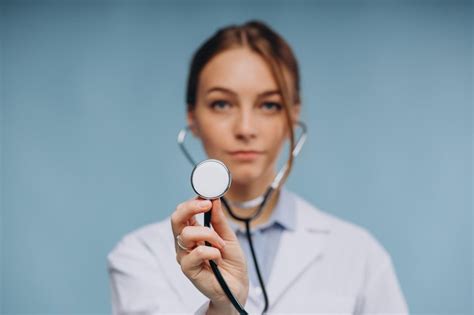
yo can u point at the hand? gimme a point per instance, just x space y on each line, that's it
225 251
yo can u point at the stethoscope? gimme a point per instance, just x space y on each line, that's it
211 179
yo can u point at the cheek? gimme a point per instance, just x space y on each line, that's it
277 146
213 135
276 130
275 140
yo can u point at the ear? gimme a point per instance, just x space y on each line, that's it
192 123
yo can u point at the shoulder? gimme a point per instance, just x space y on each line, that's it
342 235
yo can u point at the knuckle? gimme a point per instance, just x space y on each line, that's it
200 251
184 269
217 237
216 252
212 234
182 264
173 218
180 206
185 231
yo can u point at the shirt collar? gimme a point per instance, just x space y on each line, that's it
284 214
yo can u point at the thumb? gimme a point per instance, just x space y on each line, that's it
219 221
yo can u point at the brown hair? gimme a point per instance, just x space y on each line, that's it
261 39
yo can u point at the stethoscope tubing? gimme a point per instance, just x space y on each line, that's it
207 219
266 197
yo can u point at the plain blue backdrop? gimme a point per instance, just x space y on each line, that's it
93 98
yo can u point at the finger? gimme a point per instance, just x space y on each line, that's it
194 235
192 221
185 212
191 264
219 221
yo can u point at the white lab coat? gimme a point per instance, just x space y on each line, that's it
325 266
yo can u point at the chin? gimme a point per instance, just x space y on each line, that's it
246 172
245 178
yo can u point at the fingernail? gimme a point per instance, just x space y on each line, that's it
204 204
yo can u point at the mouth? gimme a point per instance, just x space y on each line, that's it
245 155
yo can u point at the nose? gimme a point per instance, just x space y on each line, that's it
245 125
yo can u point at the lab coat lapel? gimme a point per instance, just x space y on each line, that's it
298 249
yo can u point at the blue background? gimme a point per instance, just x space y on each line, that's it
92 97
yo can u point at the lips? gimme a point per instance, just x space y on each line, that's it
246 155
245 151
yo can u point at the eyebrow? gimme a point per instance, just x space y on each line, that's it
228 91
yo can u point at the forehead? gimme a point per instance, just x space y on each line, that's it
238 69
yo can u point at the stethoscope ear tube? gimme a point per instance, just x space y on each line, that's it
215 269
207 217
266 197
296 150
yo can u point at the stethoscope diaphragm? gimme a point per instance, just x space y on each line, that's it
210 179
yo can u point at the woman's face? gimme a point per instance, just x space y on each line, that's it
239 114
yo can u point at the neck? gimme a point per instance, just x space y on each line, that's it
239 192
244 192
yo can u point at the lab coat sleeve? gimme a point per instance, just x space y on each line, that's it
136 281
382 293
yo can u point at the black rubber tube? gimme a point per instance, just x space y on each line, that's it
220 278
215 269
260 278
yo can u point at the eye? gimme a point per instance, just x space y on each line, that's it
272 106
219 105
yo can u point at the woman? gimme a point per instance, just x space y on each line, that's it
243 101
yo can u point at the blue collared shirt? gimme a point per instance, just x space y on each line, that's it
266 237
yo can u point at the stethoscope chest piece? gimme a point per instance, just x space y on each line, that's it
210 179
